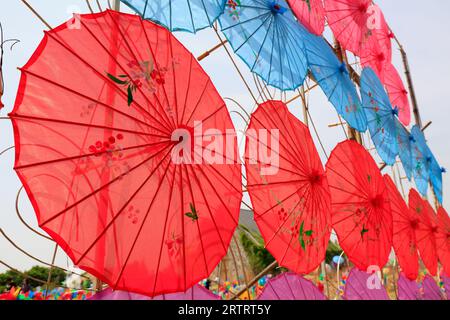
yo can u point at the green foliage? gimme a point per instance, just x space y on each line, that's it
333 250
13 279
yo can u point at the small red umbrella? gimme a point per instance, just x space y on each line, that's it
361 213
443 239
426 231
359 26
397 93
404 232
310 13
292 200
101 117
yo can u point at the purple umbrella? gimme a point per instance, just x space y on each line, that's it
446 281
290 286
364 286
431 290
197 292
407 289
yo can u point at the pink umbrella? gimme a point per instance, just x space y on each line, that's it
310 13
357 25
364 286
290 286
407 289
430 289
397 93
197 292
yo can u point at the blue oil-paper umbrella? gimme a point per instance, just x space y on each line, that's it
267 37
381 117
179 15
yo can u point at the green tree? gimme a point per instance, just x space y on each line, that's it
41 273
10 278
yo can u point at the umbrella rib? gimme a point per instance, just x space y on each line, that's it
85 155
29 118
239 24
91 99
198 102
121 209
263 42
103 77
187 91
118 178
145 220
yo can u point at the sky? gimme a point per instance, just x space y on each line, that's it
421 26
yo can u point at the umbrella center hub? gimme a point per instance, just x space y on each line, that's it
314 178
434 229
414 224
276 8
377 201
381 57
363 7
395 111
343 68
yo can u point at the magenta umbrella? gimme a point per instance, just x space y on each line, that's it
364 286
290 286
407 289
197 292
430 289
446 280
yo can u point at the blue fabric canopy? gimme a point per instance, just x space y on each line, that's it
332 76
179 15
266 36
405 145
381 117
421 161
427 168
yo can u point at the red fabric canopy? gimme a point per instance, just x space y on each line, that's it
443 239
361 213
292 201
426 230
404 236
93 124
310 13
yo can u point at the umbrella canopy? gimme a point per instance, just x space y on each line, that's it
446 280
426 231
292 201
381 117
103 151
332 76
421 161
268 38
310 13
180 15
289 286
364 286
431 290
359 26
443 239
407 289
404 235
397 93
406 144
361 213
197 292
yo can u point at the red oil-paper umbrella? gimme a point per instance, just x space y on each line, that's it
310 13
404 232
288 188
357 25
443 239
116 131
361 212
426 230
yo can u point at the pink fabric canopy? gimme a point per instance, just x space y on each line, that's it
310 13
197 292
397 93
431 290
289 286
407 289
364 286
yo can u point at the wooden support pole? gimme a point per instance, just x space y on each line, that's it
208 52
